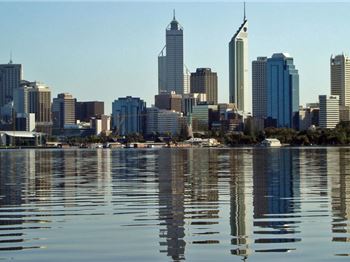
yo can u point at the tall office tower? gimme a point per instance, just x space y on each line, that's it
340 78
205 81
85 110
40 104
171 61
329 111
238 67
10 77
128 115
259 87
63 111
283 91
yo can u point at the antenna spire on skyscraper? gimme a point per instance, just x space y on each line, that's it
174 14
244 18
10 58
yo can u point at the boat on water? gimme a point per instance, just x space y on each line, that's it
271 142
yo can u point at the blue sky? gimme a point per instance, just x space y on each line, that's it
101 51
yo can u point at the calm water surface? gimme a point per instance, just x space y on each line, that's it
175 204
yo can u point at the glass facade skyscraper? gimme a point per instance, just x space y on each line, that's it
283 91
128 114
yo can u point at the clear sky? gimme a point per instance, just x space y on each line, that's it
102 51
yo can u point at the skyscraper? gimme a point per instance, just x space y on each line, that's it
259 86
63 111
40 104
205 81
340 78
10 77
238 67
283 91
128 115
171 65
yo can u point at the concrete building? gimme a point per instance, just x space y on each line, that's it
259 87
187 80
63 111
283 91
39 103
101 124
340 78
171 61
329 111
163 122
168 101
308 116
10 77
85 110
205 81
128 115
238 67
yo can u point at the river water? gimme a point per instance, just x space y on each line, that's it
249 204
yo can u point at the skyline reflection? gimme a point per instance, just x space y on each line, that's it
242 202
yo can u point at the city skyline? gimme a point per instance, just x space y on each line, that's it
99 53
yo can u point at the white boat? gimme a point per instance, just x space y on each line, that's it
271 142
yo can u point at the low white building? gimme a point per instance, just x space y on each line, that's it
20 138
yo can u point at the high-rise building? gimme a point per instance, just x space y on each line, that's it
63 111
10 77
283 91
85 110
20 98
259 87
329 111
39 98
171 61
238 67
340 78
168 101
205 81
128 115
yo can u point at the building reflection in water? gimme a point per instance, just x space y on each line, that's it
32 194
276 193
241 201
202 195
262 202
171 169
339 170
25 178
187 179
